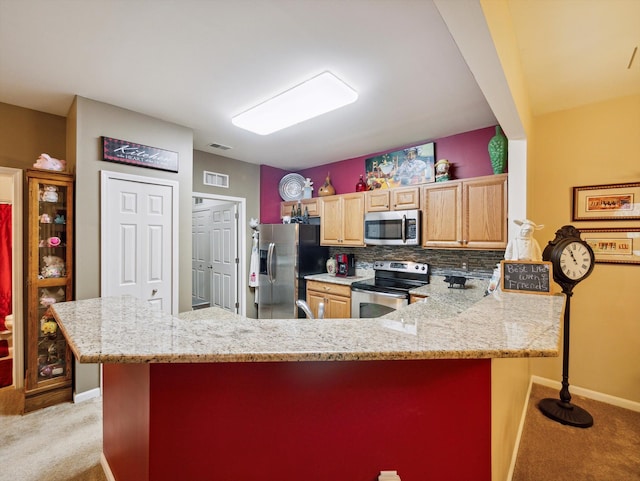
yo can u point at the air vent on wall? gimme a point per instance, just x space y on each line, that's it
219 146
216 180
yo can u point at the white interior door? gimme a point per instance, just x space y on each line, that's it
224 258
138 218
201 267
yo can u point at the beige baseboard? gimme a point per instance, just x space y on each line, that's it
588 393
106 468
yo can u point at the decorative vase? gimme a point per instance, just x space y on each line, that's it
327 188
498 151
361 186
332 265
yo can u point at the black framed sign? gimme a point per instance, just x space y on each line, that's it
124 152
530 277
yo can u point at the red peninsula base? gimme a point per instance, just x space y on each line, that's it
293 421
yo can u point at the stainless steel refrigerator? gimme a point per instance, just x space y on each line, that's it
288 252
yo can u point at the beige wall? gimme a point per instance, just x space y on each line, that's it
509 377
244 182
25 134
594 144
88 120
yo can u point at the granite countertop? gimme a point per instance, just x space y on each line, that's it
331 279
449 324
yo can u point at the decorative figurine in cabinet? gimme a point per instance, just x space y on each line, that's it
48 376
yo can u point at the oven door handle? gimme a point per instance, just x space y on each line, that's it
385 294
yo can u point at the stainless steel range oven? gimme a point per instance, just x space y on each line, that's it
389 289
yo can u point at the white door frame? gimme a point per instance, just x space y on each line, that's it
105 176
17 275
242 244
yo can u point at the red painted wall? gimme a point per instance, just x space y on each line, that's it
467 153
312 421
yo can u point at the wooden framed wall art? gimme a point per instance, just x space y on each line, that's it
614 246
607 202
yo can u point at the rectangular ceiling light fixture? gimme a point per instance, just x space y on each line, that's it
321 94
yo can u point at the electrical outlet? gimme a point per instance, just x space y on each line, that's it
464 266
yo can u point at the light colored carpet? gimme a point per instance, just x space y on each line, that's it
58 443
607 451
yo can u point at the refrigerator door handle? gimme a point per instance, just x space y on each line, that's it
270 253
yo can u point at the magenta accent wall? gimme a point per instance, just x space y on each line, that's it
269 194
467 153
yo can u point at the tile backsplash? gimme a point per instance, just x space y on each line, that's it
479 264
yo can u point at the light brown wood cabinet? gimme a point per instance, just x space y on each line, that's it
381 200
416 298
48 358
336 299
470 213
342 220
310 204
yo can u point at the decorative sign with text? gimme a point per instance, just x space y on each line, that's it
529 277
123 152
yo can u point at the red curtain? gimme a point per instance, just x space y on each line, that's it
5 263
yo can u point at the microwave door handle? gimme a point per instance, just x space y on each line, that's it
270 261
404 226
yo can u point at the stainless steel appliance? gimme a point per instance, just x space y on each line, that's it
389 289
288 252
398 227
345 265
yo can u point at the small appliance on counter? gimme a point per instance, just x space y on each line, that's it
345 265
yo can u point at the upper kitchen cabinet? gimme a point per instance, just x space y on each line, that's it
470 213
342 220
310 204
404 198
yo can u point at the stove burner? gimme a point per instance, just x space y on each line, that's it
395 277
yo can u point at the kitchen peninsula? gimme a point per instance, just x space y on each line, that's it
213 395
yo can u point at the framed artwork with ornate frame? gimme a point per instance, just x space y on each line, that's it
607 202
614 246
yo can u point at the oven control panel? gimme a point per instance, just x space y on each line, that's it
402 266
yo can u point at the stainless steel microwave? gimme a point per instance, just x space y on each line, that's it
397 227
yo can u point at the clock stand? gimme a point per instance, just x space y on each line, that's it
562 410
567 238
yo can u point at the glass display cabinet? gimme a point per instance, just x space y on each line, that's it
48 359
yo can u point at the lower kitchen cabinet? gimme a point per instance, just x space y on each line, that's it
336 299
416 298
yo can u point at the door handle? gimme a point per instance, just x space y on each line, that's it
154 292
404 226
270 269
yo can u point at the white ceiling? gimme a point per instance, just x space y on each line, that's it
197 63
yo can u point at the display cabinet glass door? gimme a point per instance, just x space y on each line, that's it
49 280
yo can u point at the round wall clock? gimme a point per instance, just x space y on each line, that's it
571 257
572 260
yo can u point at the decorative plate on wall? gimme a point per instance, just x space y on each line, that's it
291 187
